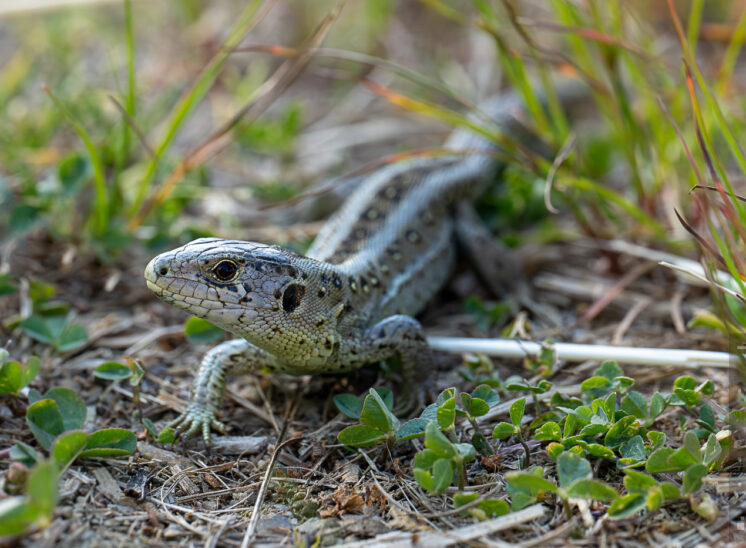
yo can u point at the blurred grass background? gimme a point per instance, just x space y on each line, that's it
132 126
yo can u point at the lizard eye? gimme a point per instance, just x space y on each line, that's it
292 296
225 270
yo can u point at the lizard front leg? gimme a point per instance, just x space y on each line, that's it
396 335
231 357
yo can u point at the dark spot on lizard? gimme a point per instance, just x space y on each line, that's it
245 299
320 322
352 283
292 296
336 281
322 292
382 334
414 236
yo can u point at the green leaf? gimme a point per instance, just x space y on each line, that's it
494 507
167 435
425 459
71 407
16 515
554 450
201 331
67 447
549 431
360 435
42 492
150 428
387 396
24 454
621 431
592 489
110 442
376 414
411 429
610 370
466 451
637 482
690 398
627 506
656 439
73 171
461 499
442 475
657 405
503 430
707 388
445 395
447 414
693 478
113 371
73 337
685 382
486 393
600 451
572 467
657 462
45 421
594 383
424 478
11 376
516 411
670 490
348 405
654 498
527 481
36 328
711 451
436 440
480 443
635 404
633 448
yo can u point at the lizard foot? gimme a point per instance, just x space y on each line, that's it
194 419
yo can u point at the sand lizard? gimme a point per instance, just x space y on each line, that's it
351 300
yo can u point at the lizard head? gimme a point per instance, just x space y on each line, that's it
256 291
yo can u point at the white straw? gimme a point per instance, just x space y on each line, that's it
510 348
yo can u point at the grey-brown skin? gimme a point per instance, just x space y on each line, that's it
351 301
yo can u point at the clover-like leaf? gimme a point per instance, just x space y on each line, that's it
637 482
442 475
461 499
516 411
424 478
376 414
201 331
111 443
658 463
67 447
572 467
503 430
528 481
622 430
361 435
693 478
411 429
635 404
549 431
627 506
45 421
113 371
447 414
348 405
486 393
25 454
592 489
436 440
11 375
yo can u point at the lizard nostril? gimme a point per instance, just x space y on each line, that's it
163 270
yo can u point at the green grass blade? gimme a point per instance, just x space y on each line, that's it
101 208
731 54
695 22
189 100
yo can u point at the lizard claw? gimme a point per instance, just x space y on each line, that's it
194 419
